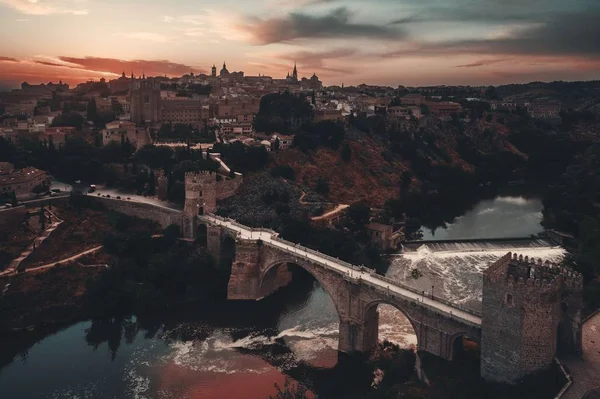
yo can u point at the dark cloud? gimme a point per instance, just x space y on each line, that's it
482 63
491 11
297 25
50 63
566 34
9 59
469 15
316 61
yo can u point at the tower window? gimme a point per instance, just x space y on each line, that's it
509 300
147 99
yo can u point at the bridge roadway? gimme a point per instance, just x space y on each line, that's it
365 276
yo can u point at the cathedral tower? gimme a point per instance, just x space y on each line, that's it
295 73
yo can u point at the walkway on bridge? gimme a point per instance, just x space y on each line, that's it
359 274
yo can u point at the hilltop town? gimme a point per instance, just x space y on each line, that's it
107 185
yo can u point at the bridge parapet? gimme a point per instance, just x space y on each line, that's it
341 268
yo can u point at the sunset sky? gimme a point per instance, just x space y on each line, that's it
393 42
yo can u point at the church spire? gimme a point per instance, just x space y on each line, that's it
295 74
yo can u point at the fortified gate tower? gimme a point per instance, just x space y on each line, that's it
531 311
200 199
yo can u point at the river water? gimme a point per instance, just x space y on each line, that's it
241 349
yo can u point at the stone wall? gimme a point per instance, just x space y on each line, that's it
228 187
163 216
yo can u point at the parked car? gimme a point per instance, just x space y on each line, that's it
92 188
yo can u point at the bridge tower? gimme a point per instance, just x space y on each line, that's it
524 303
200 199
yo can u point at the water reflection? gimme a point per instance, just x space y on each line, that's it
225 349
501 217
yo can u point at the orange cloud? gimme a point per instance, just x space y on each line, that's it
78 69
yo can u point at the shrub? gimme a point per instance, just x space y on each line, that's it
285 171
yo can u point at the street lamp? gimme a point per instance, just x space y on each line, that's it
432 292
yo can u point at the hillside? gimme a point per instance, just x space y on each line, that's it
378 163
368 174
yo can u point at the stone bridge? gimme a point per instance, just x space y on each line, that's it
259 268
530 310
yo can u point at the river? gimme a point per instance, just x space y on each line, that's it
240 349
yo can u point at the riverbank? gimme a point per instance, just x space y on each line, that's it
44 298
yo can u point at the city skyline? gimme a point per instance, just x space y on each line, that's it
388 42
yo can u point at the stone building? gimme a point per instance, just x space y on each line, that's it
384 235
544 109
202 191
145 100
186 111
21 181
531 311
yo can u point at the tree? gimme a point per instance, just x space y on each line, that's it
40 188
91 111
425 111
491 93
71 118
358 215
322 186
285 171
151 183
13 198
51 146
155 157
42 217
346 152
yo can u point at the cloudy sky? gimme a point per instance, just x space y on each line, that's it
408 42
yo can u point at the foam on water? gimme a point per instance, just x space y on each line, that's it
455 269
521 201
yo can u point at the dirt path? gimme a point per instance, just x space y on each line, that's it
63 261
331 213
14 265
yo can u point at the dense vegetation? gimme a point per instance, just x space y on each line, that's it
571 206
282 113
150 274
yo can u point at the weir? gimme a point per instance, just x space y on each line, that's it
477 245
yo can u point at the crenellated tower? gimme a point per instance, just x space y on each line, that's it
524 303
200 198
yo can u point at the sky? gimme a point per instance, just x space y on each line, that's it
386 42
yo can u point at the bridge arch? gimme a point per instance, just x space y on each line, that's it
270 270
372 315
457 343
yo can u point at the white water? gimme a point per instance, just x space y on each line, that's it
455 270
